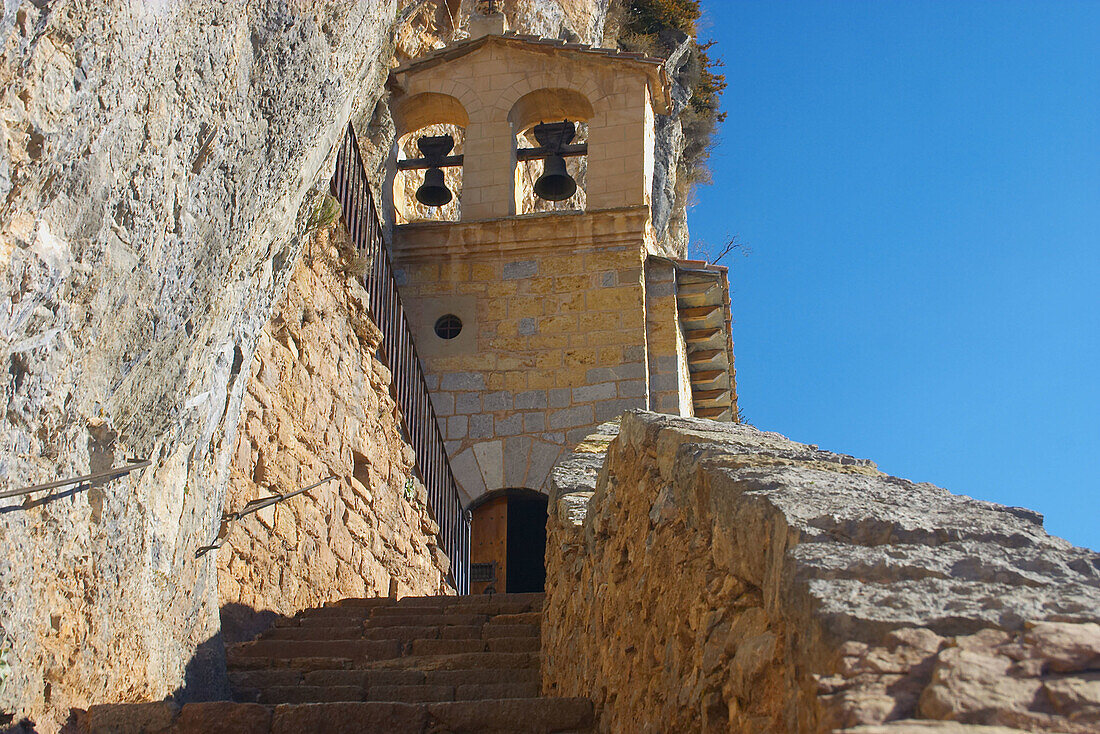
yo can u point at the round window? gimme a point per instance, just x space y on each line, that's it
448 327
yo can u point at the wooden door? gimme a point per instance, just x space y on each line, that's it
489 541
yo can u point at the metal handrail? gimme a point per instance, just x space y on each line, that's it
117 471
228 518
257 505
410 390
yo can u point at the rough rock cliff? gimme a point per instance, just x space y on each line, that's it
157 165
713 577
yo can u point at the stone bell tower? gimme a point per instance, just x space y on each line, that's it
537 320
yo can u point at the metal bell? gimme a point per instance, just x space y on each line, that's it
433 192
555 183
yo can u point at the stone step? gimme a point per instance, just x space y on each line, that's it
487 607
314 633
354 620
465 661
353 617
528 715
354 649
425 620
484 676
258 679
235 662
473 632
437 601
421 693
534 618
488 644
422 665
490 716
449 623
359 649
504 625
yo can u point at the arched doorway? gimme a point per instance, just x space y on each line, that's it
508 531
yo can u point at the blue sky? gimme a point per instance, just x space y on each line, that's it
919 185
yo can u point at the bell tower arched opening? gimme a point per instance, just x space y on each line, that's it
427 185
565 109
508 541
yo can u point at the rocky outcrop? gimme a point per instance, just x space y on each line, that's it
669 204
575 21
156 170
318 404
707 576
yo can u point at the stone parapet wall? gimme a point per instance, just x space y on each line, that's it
318 404
713 577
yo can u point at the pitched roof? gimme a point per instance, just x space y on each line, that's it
651 65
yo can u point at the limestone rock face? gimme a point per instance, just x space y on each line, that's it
155 171
669 208
723 578
576 21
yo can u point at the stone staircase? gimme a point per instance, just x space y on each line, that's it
420 664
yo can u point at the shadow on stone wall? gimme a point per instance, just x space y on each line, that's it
21 505
241 623
205 679
22 727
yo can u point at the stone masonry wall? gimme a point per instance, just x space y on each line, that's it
712 577
318 404
552 343
669 380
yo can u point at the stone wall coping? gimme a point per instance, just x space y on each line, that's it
833 510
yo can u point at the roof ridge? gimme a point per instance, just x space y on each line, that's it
533 39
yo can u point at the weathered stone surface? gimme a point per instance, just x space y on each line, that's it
569 20
520 269
136 718
512 715
222 717
159 162
712 576
348 718
360 535
669 195
913 726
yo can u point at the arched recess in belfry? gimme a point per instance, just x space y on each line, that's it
508 537
426 115
548 105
